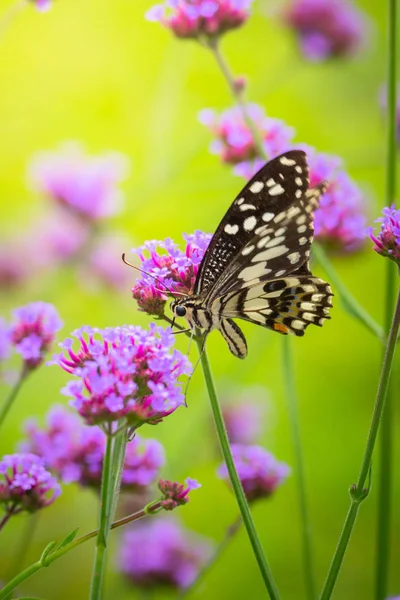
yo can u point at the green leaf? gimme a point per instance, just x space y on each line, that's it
69 538
49 548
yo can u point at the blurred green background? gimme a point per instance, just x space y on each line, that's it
97 72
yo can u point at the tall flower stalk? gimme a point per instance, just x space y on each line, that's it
386 440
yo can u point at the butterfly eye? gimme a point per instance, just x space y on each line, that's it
180 311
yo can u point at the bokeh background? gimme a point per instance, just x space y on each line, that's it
98 73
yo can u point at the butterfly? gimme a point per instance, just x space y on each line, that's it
256 266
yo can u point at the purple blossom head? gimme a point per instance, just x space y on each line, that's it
175 494
16 263
104 265
75 452
171 266
234 142
124 372
258 470
200 18
5 341
25 484
326 28
160 552
58 238
387 241
42 5
244 418
86 185
33 331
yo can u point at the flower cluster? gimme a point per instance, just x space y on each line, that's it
160 552
85 185
25 484
234 142
167 268
175 494
42 5
75 452
200 18
124 372
33 331
243 419
326 28
387 241
258 470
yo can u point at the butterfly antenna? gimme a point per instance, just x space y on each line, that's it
196 364
174 294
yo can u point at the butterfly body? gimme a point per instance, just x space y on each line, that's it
256 265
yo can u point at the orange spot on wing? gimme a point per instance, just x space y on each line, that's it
281 328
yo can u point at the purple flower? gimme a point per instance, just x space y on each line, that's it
58 238
104 264
33 331
200 18
326 28
16 263
175 494
75 452
42 5
234 142
170 266
124 372
5 341
86 185
387 241
244 418
25 484
161 552
258 470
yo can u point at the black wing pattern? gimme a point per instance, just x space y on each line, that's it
264 204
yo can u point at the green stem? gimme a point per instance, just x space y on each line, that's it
386 434
235 481
41 564
6 406
228 537
358 493
292 407
350 304
111 477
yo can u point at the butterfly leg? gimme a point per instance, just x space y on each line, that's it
234 337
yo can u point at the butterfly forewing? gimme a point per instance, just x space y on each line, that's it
277 187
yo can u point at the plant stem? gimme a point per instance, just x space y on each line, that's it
386 434
41 564
5 519
235 481
110 482
6 406
357 492
292 407
350 304
228 537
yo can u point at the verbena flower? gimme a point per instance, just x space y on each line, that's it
234 142
244 418
25 484
86 185
258 470
15 263
200 18
104 265
58 238
75 452
33 331
175 494
124 372
42 5
170 266
387 241
160 552
5 341
326 28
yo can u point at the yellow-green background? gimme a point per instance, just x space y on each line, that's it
97 72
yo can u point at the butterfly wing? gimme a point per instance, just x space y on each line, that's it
263 203
286 305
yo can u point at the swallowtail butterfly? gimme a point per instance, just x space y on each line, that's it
256 267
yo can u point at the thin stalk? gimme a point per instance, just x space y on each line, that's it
111 478
292 408
228 537
5 519
358 492
349 302
42 563
235 481
9 401
386 436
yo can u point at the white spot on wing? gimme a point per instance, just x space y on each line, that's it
298 193
231 229
256 187
254 271
298 169
294 257
240 201
296 324
302 229
287 161
276 190
268 216
271 182
248 250
250 223
244 207
302 241
298 181
272 253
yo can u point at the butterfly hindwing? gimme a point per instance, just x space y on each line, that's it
279 185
